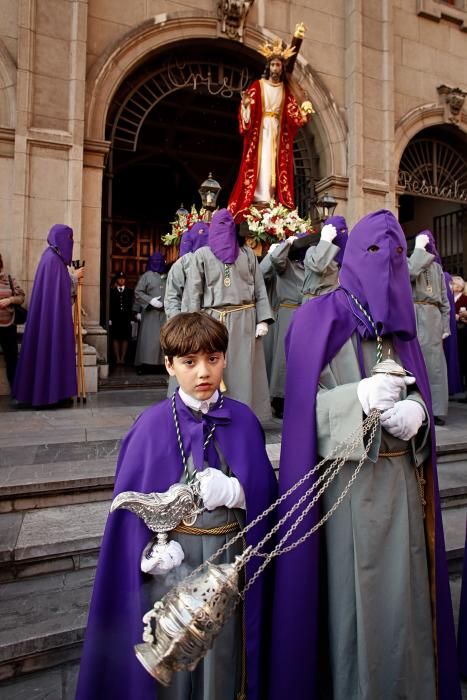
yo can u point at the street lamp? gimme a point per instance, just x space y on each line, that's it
181 211
209 192
326 206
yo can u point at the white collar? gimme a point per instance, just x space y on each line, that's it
121 289
195 404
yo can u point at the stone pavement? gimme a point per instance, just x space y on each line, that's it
56 476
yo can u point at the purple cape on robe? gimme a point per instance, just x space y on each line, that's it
196 237
318 330
149 461
222 237
156 263
462 632
46 371
341 237
451 350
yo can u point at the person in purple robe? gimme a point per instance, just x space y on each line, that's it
196 237
352 614
323 261
220 445
149 305
450 344
46 371
462 630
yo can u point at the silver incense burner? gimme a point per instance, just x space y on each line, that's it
181 627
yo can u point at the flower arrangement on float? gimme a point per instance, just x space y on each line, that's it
275 223
181 224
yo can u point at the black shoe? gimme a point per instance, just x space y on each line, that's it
277 404
439 421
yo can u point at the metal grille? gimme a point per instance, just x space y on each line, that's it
434 169
450 231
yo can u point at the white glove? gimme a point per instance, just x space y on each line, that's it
421 241
404 419
381 391
273 247
109 322
261 329
138 316
217 489
156 303
158 559
328 233
446 335
291 239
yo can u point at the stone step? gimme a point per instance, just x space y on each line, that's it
454 522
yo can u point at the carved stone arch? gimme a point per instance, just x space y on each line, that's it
417 120
7 88
122 57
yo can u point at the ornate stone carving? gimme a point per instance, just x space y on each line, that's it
453 101
232 15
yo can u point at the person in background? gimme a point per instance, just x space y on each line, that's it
460 301
11 295
450 344
149 295
46 371
120 313
196 237
432 311
322 262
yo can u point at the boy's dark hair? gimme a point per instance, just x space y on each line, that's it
188 333
1 263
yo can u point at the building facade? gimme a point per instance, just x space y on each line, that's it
113 112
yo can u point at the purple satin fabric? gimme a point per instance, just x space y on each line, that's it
156 263
342 235
462 631
149 461
451 350
46 371
222 237
318 330
196 237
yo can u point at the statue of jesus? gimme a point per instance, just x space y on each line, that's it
269 119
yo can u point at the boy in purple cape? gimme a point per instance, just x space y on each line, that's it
222 445
46 372
359 597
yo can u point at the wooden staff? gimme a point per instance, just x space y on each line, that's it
79 346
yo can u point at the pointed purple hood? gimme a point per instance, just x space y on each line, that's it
156 263
377 245
342 235
222 237
431 246
196 237
60 239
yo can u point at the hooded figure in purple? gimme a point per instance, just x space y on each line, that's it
352 616
196 237
149 301
323 261
462 631
46 372
150 460
225 281
450 344
433 313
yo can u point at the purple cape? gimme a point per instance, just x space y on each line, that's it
431 246
222 237
318 330
46 371
451 350
150 461
156 263
342 235
462 632
196 237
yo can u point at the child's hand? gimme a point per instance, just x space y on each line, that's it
217 489
158 559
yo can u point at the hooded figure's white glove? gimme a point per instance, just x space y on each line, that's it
261 329
156 302
217 489
404 419
138 316
273 247
158 559
328 233
291 239
446 335
421 241
381 391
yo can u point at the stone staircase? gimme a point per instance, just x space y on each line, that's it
54 499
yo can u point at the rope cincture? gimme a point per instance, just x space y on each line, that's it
379 340
190 478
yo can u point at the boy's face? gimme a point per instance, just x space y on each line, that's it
198 374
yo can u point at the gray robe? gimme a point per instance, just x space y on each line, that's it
289 280
218 675
269 276
245 375
432 311
321 272
176 280
380 633
148 348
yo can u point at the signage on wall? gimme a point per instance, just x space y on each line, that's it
412 185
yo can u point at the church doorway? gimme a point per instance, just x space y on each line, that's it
171 123
432 186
